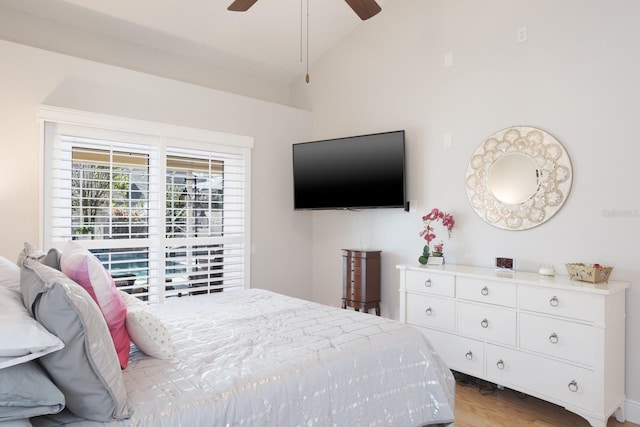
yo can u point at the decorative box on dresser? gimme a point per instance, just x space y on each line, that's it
559 340
361 280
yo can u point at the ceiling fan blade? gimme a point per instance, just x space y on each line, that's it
365 9
241 5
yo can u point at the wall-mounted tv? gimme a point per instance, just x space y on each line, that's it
356 172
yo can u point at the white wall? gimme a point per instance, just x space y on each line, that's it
30 77
131 53
576 77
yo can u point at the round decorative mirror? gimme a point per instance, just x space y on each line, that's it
518 178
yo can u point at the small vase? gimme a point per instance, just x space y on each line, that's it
435 260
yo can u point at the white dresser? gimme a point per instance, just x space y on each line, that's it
553 338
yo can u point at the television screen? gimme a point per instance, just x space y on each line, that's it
357 172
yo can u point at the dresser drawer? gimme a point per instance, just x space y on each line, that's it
459 353
354 291
487 291
560 302
487 322
559 338
555 381
431 311
355 266
354 277
432 283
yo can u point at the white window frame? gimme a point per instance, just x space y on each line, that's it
161 134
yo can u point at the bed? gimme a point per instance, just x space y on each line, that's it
257 358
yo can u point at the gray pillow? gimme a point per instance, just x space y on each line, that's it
26 391
87 368
52 258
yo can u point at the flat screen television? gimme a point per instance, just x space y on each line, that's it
357 172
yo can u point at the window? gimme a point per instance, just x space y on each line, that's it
166 215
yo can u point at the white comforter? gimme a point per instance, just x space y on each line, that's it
256 358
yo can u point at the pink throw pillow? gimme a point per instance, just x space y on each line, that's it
84 268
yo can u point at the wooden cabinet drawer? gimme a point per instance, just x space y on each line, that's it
431 311
355 266
354 279
354 292
487 322
551 380
560 302
487 291
432 283
559 338
459 353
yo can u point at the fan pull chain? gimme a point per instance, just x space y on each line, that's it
307 76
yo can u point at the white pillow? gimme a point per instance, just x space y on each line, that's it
22 338
9 274
146 329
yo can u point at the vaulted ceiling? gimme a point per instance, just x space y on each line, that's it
268 41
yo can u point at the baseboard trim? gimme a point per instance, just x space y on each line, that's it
632 411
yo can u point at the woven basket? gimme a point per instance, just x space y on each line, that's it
588 273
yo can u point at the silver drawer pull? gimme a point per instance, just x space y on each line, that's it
553 338
500 364
427 283
484 323
429 311
469 355
573 386
484 291
554 301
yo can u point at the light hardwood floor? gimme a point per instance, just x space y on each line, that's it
509 408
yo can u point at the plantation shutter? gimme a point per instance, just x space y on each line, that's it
204 221
168 218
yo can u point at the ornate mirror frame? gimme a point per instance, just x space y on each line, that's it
550 163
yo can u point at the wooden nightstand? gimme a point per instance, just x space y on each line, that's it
361 280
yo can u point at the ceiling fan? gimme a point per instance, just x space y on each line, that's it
365 9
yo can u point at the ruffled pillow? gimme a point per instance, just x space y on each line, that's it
30 251
51 258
